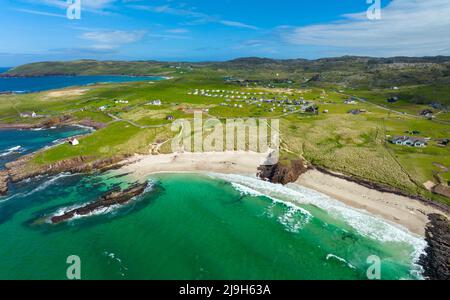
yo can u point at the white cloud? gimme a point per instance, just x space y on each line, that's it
407 27
178 30
198 17
237 24
113 39
97 4
93 6
41 13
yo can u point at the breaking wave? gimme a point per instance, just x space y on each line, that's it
294 219
99 211
16 149
39 188
332 256
363 222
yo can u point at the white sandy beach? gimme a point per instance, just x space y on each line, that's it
408 212
232 162
405 211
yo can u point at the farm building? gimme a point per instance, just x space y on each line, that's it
28 114
74 142
409 141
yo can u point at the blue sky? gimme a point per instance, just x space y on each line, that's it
199 30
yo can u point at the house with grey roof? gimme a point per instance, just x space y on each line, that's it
409 141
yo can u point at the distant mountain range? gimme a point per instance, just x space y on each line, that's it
349 71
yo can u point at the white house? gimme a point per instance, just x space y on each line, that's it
74 142
30 114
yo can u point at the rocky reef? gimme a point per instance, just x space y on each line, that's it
21 169
283 172
436 260
116 197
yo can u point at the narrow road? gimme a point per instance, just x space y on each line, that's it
117 119
395 111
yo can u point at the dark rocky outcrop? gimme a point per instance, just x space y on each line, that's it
283 172
4 178
116 197
436 261
56 121
19 170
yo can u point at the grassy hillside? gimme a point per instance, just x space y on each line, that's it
351 144
90 67
362 72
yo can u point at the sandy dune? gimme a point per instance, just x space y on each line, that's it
66 93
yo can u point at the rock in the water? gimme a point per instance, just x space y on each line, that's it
4 178
436 261
283 172
108 200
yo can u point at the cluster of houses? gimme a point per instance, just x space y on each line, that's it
351 101
409 141
156 102
121 101
258 99
231 94
286 105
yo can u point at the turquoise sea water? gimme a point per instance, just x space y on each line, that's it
15 143
42 83
189 226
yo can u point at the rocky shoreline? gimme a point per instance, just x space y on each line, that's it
112 198
20 169
436 261
52 122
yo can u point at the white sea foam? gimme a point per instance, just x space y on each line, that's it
41 187
49 182
12 150
98 211
362 221
294 219
329 256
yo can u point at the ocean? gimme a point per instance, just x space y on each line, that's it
42 83
15 143
196 226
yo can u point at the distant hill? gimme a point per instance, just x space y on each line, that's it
88 67
349 71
